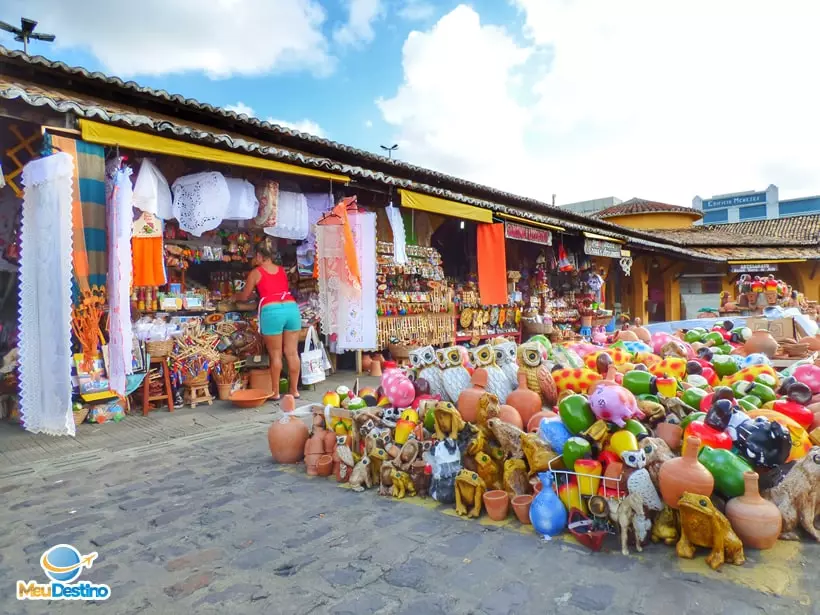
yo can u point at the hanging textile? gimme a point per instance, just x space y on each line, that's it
383 230
243 204
397 225
45 296
118 187
318 203
330 265
291 217
79 256
357 309
492 264
352 271
91 173
147 251
151 191
200 201
267 193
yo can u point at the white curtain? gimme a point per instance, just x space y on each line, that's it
45 296
120 219
358 326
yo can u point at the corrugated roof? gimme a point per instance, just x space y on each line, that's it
642 206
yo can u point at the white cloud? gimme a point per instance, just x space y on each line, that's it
305 125
632 98
368 124
219 37
359 27
417 10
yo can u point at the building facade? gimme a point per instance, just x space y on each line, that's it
755 205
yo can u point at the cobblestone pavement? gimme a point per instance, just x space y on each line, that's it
208 524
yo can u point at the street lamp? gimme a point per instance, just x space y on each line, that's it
25 33
390 150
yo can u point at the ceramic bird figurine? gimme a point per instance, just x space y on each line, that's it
455 375
640 481
425 363
531 362
505 359
345 459
361 479
497 383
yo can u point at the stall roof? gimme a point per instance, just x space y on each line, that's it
40 82
763 253
806 228
703 236
637 206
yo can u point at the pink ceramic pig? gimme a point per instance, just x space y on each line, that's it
612 402
399 388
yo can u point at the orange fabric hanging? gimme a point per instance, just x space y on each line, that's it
148 261
492 264
350 245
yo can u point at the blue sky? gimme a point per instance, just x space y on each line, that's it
578 98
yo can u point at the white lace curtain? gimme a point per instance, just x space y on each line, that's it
45 296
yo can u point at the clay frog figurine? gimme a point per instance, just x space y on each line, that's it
796 496
448 421
394 481
509 437
469 493
703 525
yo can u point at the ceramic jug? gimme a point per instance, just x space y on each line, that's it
525 401
685 474
288 435
547 514
468 399
756 521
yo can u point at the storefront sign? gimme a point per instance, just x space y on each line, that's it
527 233
753 268
757 198
596 247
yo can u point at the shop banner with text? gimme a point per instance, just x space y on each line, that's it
596 247
527 233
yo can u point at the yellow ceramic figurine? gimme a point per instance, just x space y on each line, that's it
665 527
537 452
469 493
488 471
702 525
448 421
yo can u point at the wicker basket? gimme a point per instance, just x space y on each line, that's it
536 328
198 381
401 352
80 415
159 349
601 321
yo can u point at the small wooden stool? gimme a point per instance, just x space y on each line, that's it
197 394
165 376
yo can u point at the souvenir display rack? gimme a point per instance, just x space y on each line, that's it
474 322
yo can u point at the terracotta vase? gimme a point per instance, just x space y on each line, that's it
330 441
670 433
755 520
286 440
223 391
367 361
510 415
762 341
535 419
521 507
375 369
525 401
314 448
685 474
324 465
468 399
497 503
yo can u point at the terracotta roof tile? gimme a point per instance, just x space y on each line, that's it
718 236
642 206
758 253
797 227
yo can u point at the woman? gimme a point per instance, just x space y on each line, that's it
279 319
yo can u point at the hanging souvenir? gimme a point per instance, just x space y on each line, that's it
564 264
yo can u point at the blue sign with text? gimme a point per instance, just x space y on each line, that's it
735 201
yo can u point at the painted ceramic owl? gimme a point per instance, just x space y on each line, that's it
497 383
539 379
505 359
455 375
426 364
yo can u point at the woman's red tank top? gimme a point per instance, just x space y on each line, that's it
273 287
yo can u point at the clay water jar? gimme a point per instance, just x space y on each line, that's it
535 419
510 415
223 391
521 507
324 466
670 433
287 436
756 521
468 399
762 341
525 401
497 503
367 361
330 441
685 474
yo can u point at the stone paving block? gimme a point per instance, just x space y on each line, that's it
189 585
195 559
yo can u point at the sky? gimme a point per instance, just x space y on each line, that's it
580 99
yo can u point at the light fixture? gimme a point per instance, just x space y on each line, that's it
462 225
25 32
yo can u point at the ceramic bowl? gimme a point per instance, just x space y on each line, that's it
249 398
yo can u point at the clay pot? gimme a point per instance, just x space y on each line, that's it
762 341
521 507
260 379
510 415
330 441
367 361
324 466
286 439
468 399
535 419
497 503
375 369
685 474
670 433
314 448
223 391
756 521
525 401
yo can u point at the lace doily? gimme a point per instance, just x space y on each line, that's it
119 279
357 307
399 240
45 297
243 204
292 221
330 253
267 193
151 191
200 201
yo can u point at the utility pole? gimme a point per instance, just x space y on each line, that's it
390 150
25 33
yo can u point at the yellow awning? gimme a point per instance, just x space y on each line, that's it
531 222
602 237
435 205
105 134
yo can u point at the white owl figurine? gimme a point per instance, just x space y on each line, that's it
497 383
505 358
640 481
455 375
425 362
